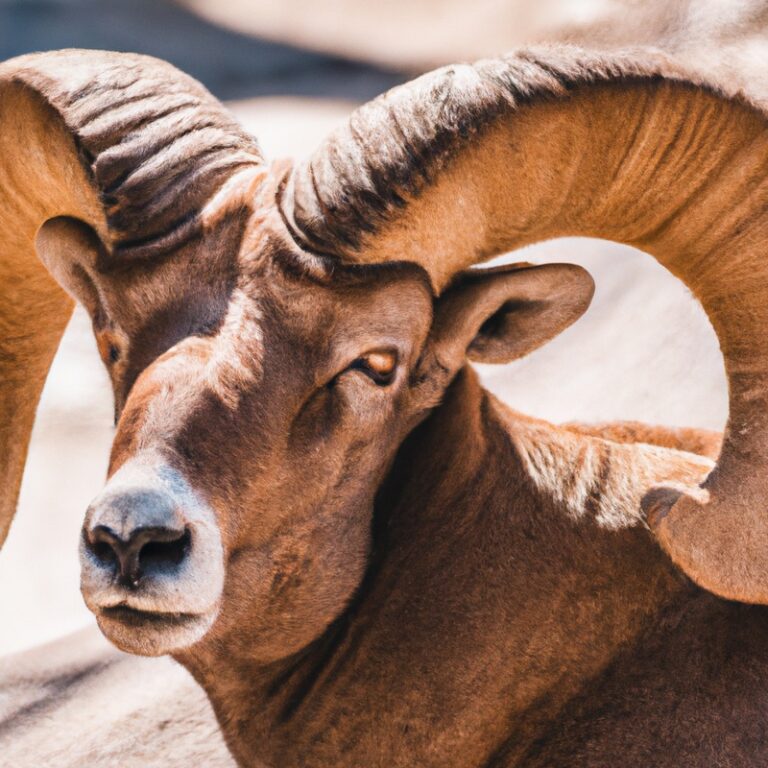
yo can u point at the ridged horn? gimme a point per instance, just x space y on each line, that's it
125 143
472 161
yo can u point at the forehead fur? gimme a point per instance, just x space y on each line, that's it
319 269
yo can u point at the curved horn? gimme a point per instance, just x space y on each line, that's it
472 161
128 145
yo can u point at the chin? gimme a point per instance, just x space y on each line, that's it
150 633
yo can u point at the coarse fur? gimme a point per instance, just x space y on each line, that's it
361 555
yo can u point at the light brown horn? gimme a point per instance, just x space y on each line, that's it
125 143
472 161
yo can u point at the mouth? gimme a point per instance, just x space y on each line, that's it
133 617
152 633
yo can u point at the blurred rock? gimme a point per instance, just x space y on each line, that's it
422 34
231 64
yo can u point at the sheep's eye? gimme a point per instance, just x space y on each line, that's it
380 366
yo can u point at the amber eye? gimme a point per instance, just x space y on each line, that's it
380 366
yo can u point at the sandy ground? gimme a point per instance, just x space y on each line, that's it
644 351
78 702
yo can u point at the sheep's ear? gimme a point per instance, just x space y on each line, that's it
71 250
497 315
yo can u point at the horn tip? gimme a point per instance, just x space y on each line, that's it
722 549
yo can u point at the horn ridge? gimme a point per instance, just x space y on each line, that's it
132 118
393 146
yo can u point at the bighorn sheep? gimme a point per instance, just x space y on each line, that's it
363 557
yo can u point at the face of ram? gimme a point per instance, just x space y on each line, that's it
248 453
245 461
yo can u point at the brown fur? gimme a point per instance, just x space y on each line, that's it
704 442
485 609
413 574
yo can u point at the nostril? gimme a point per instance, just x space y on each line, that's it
104 553
160 553
102 542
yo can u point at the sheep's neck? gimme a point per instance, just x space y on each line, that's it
492 606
